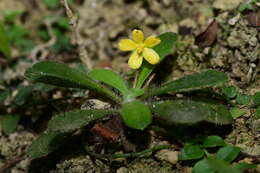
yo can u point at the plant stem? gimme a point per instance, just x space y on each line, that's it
135 79
126 155
141 153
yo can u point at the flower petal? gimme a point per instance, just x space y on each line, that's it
152 41
126 45
135 60
151 56
138 36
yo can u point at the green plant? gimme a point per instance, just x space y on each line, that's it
218 162
17 35
134 102
248 5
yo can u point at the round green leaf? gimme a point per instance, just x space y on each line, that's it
228 153
136 114
9 123
213 141
202 167
190 152
229 92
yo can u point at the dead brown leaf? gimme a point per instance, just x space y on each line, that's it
207 37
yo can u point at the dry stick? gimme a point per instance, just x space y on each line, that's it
42 47
75 29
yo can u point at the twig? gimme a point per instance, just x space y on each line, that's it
42 47
75 29
126 155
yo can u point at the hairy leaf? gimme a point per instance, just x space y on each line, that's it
69 121
191 82
111 78
45 144
190 112
60 74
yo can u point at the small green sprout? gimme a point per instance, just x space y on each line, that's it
212 162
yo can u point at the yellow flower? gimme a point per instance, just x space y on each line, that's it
140 49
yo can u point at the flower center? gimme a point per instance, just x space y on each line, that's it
140 48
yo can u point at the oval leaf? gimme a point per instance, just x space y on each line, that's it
45 144
60 74
220 166
202 167
168 42
191 152
191 82
228 153
190 112
111 78
69 121
9 123
213 141
136 114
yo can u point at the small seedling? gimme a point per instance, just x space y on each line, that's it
218 162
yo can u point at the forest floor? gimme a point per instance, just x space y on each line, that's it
41 31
